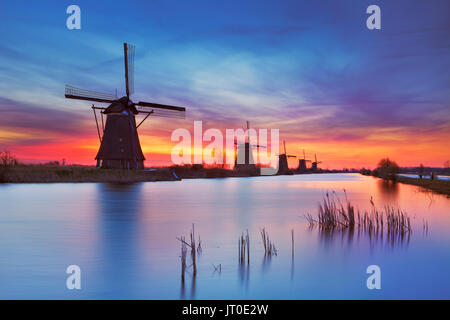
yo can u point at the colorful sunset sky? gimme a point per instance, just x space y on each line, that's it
309 68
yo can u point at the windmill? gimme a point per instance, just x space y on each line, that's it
119 142
315 163
244 153
283 167
302 163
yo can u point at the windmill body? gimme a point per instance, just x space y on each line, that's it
302 163
283 167
314 165
120 147
119 140
244 161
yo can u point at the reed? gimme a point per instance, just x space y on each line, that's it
183 257
425 226
244 248
217 268
199 246
292 239
193 255
194 250
269 247
333 214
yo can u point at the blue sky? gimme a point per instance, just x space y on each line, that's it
310 68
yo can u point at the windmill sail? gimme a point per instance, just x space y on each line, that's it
161 110
129 67
82 94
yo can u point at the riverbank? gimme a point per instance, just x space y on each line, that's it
76 173
438 186
51 174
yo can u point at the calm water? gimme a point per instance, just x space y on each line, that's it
124 239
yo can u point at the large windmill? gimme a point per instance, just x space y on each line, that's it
302 163
283 167
314 166
119 142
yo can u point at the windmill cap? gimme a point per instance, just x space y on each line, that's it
121 105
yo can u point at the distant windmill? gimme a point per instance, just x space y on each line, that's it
314 166
302 163
119 142
244 151
283 167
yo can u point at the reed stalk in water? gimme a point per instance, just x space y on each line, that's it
244 248
292 239
194 250
269 247
332 214
183 257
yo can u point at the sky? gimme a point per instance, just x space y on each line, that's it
311 69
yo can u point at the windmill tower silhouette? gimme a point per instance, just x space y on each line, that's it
120 147
302 163
283 167
314 165
244 160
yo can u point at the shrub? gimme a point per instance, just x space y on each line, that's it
7 159
387 169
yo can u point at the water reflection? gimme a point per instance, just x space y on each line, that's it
348 237
119 215
244 274
388 190
193 287
292 268
266 262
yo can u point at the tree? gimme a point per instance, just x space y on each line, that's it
421 170
388 169
7 159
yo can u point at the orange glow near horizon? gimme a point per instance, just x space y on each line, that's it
406 149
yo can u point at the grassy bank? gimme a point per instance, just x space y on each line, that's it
438 186
46 173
